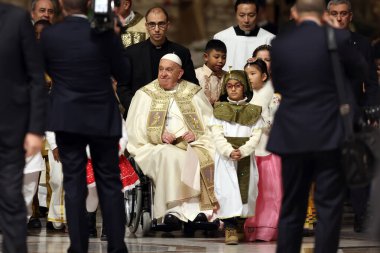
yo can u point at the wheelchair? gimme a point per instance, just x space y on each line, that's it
139 203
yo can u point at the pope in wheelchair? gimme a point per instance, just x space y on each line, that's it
170 142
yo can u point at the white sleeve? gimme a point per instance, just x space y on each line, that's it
221 144
50 138
249 147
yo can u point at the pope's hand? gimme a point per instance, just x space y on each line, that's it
188 136
168 137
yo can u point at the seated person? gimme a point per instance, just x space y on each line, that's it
170 142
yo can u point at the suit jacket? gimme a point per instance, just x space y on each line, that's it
141 61
370 95
22 92
308 118
81 62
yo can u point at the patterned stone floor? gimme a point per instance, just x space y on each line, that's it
42 241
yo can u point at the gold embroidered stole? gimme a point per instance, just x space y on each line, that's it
156 124
132 37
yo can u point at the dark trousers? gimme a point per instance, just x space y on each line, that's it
298 172
105 161
12 204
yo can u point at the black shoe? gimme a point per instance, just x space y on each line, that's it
103 236
34 223
201 217
49 226
359 223
172 220
91 219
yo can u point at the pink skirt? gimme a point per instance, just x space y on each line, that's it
128 176
263 226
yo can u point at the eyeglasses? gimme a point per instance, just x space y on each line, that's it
342 14
161 25
236 86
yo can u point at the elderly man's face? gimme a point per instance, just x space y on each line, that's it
246 16
341 14
169 73
44 9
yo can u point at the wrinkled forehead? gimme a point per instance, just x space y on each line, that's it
165 63
339 7
44 4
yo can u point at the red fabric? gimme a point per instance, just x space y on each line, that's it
263 226
128 176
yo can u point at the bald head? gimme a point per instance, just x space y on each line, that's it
310 6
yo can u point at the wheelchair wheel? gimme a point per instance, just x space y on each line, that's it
146 223
133 207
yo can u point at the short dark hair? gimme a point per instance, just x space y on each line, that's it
217 45
261 65
255 2
264 47
159 8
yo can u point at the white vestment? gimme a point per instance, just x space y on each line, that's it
227 189
57 212
165 163
240 48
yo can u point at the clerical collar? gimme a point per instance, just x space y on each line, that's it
240 32
173 90
129 18
164 45
240 102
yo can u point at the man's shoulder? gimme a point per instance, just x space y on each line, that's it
135 48
15 12
225 34
265 33
177 47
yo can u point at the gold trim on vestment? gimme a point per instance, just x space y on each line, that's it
156 124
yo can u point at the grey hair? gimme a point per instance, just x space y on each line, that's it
336 2
34 2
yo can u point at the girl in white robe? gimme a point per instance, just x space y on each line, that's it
236 130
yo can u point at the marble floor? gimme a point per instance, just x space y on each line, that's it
42 241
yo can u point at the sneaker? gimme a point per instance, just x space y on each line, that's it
231 236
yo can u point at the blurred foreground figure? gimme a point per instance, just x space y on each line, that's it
307 130
22 104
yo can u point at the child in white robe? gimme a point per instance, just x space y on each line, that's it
236 130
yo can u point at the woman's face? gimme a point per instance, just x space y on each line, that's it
265 56
255 77
235 90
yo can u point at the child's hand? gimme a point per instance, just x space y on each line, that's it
235 155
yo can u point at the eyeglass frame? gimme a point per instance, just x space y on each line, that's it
161 25
236 86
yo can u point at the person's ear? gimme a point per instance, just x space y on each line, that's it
264 77
180 73
205 57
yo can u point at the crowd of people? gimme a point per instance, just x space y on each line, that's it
252 137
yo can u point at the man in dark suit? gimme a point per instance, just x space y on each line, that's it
365 92
83 111
145 56
307 130
22 113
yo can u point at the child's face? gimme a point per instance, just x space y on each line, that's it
235 90
255 77
215 60
265 56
